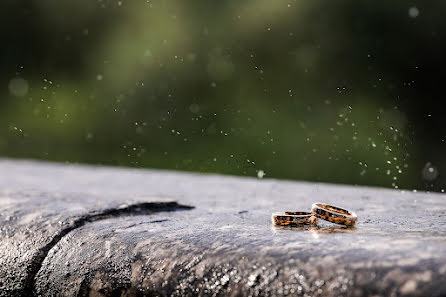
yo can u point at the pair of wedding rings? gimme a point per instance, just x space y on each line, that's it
319 210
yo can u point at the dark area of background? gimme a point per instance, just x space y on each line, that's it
333 91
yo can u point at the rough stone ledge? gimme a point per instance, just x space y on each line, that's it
95 231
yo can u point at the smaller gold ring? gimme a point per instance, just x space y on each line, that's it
334 214
294 218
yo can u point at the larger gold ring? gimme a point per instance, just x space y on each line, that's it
334 214
294 218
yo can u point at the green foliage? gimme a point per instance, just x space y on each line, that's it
300 90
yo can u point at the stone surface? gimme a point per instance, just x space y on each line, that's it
70 230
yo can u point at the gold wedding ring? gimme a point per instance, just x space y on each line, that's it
294 218
334 214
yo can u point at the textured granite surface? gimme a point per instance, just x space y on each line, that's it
70 230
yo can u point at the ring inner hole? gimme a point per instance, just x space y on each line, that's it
335 209
297 213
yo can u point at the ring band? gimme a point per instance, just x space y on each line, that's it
334 214
294 218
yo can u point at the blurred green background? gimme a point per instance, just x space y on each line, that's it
331 91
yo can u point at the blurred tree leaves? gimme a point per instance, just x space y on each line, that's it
337 92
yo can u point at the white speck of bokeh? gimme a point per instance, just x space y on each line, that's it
413 12
99 77
429 172
18 87
260 174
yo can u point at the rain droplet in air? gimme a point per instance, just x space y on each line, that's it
429 172
413 12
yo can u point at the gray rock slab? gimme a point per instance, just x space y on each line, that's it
71 230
